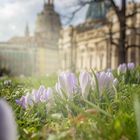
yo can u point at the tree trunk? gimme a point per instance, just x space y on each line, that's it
122 39
122 50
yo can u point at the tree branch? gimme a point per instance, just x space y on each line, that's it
132 46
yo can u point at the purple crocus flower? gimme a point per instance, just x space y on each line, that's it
40 95
41 90
27 100
22 102
122 68
130 66
8 127
47 95
85 83
106 81
68 83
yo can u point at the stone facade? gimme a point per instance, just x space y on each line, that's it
88 45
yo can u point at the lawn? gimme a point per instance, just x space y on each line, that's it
111 114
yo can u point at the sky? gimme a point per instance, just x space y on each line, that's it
15 14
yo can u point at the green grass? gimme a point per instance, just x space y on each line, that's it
110 119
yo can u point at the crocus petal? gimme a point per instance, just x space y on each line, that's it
68 83
122 68
22 102
85 83
130 66
46 96
106 81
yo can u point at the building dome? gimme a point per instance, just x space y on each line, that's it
97 10
48 23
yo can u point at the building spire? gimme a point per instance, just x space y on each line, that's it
27 32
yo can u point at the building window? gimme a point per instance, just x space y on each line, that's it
133 55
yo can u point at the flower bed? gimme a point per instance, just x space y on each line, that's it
103 105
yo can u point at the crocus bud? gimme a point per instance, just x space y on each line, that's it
8 128
85 83
130 66
68 83
122 68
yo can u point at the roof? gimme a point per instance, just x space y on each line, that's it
97 10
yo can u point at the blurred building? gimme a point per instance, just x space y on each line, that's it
88 45
84 46
37 54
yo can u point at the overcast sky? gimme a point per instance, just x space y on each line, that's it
14 14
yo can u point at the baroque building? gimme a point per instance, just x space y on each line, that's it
88 45
37 54
84 46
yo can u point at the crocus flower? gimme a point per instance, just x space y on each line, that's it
68 83
47 95
36 96
29 99
130 66
26 101
22 102
106 81
8 128
38 93
85 83
122 68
